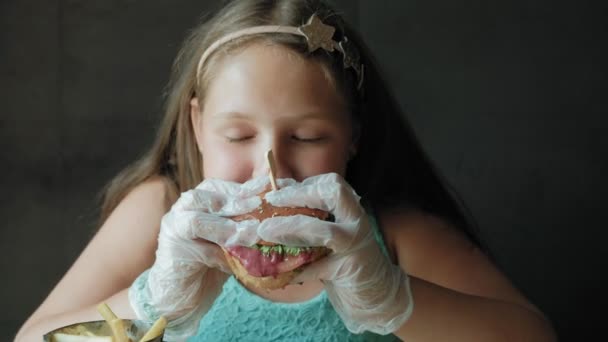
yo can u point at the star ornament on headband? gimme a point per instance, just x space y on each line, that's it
317 34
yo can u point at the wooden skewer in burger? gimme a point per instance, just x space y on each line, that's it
267 265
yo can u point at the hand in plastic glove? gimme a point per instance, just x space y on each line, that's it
189 270
365 288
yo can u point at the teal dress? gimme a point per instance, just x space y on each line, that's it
240 315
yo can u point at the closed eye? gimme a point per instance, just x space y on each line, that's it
238 139
307 139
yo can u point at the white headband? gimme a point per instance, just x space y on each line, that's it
317 34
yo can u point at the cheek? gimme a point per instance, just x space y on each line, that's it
223 161
312 162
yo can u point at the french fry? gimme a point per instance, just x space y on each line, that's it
118 329
106 312
80 332
156 329
115 323
60 337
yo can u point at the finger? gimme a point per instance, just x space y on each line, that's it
238 206
324 178
226 232
255 186
215 203
222 265
309 193
347 204
250 188
338 195
286 182
197 199
301 230
245 234
212 256
190 225
309 196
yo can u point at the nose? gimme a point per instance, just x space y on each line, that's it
281 163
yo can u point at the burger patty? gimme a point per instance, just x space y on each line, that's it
261 264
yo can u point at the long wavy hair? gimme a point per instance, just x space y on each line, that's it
390 167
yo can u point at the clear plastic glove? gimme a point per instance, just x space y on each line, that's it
190 269
365 288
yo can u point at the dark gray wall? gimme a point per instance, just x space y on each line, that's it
507 96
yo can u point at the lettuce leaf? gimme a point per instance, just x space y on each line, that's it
281 249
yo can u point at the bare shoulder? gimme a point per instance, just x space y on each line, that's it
134 225
122 248
430 248
414 236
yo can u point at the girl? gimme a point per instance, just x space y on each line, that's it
290 76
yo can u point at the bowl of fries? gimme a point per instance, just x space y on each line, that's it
111 329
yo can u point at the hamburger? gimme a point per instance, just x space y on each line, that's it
271 266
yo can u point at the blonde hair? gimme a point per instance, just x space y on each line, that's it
390 167
174 154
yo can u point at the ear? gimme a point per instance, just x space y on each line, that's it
195 119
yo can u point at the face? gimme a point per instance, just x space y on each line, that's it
268 97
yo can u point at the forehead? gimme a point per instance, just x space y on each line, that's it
270 78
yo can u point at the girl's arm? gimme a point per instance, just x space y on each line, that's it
122 248
459 295
35 328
